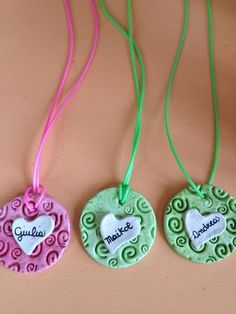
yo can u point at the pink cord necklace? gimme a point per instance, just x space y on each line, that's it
35 228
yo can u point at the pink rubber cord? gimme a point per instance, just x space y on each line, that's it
55 109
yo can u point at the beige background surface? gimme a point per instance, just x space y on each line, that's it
90 145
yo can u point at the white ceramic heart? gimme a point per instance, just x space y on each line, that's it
28 234
200 228
116 232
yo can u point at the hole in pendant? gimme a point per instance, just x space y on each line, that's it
207 201
33 198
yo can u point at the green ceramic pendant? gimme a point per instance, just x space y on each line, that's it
106 204
219 207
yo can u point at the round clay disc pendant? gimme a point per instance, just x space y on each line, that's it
32 240
202 230
115 235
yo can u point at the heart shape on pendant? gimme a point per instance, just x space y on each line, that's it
28 234
200 228
116 232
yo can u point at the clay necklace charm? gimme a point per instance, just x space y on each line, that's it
118 225
200 221
34 227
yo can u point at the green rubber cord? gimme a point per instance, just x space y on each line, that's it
214 96
139 83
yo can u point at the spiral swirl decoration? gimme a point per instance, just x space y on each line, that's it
221 250
179 205
129 254
232 205
129 210
210 259
144 248
48 206
31 268
223 209
101 250
181 241
113 262
7 227
143 206
214 240
231 225
219 193
3 212
63 237
49 241
15 253
16 203
52 257
4 248
89 220
15 266
175 225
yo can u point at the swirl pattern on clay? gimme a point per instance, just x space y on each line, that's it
84 236
223 209
48 206
63 237
135 240
175 225
210 259
144 248
219 193
31 268
129 210
16 253
179 204
214 240
231 225
88 220
143 205
52 257
50 240
6 227
181 241
221 250
16 203
4 248
58 219
232 204
129 253
113 262
101 250
3 212
14 266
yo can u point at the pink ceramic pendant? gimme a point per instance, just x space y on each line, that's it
44 230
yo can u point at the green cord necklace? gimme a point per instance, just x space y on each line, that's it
118 225
199 221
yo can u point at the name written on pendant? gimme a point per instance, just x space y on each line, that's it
20 232
119 232
205 227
